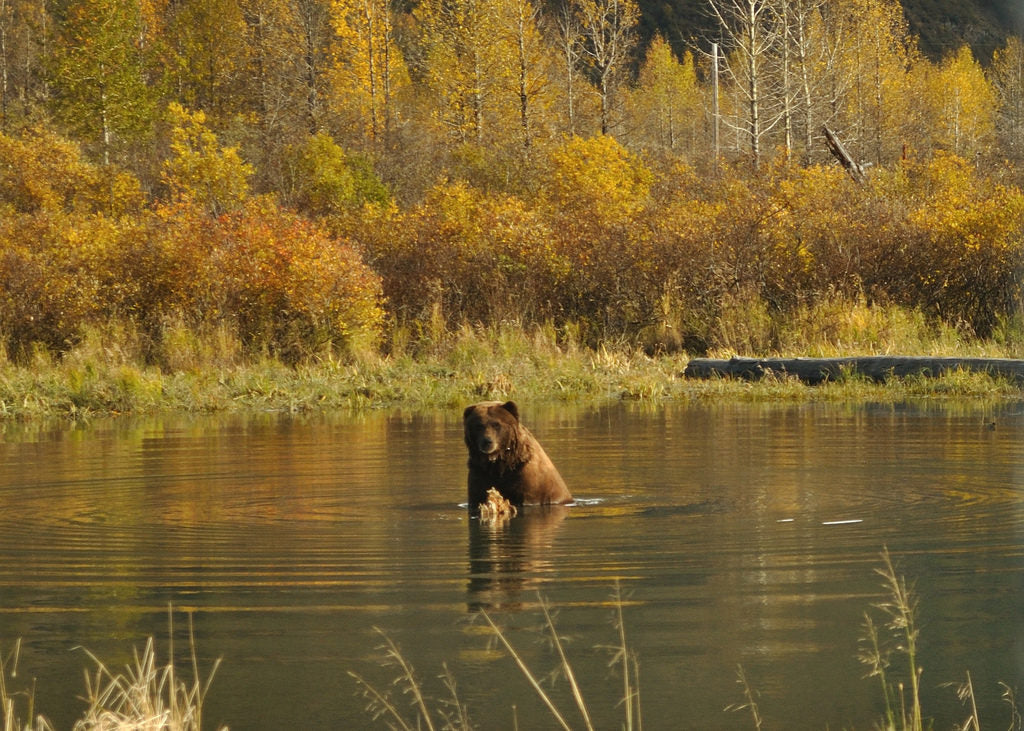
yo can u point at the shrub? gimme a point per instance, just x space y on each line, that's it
49 288
968 242
327 180
466 256
43 172
274 277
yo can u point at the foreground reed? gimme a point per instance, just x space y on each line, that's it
900 613
893 644
145 696
453 714
884 648
149 697
10 700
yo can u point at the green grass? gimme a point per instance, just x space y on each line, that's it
106 374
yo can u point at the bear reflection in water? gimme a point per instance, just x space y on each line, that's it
509 544
510 559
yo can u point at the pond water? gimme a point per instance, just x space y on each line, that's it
738 535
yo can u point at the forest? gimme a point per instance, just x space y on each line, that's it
332 176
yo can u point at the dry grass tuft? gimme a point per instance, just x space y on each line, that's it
144 696
452 715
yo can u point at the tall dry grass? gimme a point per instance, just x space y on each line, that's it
143 696
889 649
453 715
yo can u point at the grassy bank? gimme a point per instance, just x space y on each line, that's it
105 374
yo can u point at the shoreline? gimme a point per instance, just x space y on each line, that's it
82 387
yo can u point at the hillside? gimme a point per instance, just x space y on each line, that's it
941 25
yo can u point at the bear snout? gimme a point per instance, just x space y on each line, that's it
487 446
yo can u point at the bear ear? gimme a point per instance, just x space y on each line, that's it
469 410
510 407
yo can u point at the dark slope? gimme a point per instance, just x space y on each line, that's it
941 26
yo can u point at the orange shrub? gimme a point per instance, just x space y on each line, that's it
476 257
49 283
279 280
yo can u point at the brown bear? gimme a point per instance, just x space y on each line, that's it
503 454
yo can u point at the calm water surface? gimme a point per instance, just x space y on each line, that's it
739 535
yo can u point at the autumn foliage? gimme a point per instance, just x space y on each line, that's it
666 262
312 177
277 280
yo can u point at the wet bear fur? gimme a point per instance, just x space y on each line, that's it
503 454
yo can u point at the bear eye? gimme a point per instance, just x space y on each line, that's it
496 425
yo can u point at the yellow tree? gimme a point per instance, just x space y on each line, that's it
489 70
532 69
199 169
1007 77
666 102
208 40
98 72
369 69
961 105
873 55
607 29
463 46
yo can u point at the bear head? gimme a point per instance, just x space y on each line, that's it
493 435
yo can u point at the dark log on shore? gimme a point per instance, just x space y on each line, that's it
877 368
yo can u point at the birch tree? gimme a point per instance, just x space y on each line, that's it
313 18
269 76
752 33
98 73
1007 76
369 67
570 44
809 50
532 69
23 33
608 36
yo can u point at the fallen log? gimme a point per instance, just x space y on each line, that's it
877 368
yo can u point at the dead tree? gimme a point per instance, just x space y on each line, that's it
854 168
